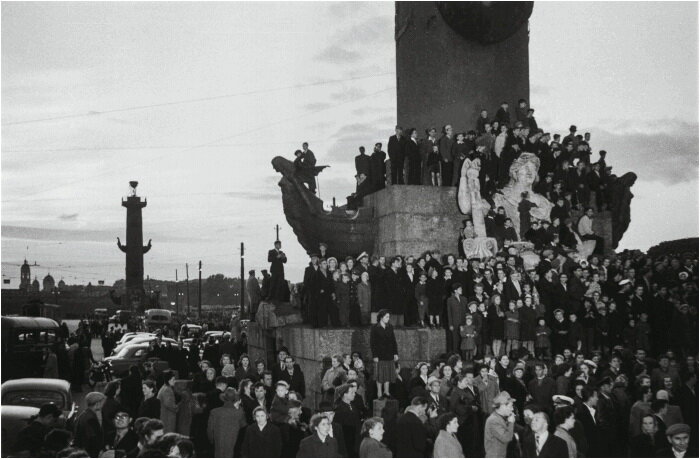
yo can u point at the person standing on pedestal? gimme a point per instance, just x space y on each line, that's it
414 158
363 164
446 159
384 352
456 313
397 156
378 168
278 285
252 290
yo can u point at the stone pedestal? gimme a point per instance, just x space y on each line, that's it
310 346
412 219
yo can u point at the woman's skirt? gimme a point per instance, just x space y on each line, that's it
386 372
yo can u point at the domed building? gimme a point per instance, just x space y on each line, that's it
25 277
49 283
61 285
35 285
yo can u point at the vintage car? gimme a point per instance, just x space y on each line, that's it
140 339
190 331
14 419
132 335
36 392
23 343
134 354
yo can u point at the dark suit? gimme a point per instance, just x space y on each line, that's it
411 436
278 287
510 292
378 170
312 446
363 165
591 429
553 447
88 433
397 157
296 380
414 162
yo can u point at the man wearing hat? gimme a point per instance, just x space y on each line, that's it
88 426
498 431
225 423
456 313
31 438
678 435
607 417
310 291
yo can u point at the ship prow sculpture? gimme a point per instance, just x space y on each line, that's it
345 232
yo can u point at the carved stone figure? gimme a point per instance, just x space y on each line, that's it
475 242
523 175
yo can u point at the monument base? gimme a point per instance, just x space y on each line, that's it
311 346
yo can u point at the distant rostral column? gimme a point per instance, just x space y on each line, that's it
135 296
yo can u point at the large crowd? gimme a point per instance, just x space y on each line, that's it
576 356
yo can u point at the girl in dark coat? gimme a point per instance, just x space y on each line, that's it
528 324
384 351
496 319
262 439
435 291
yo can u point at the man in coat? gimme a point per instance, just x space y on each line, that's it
397 156
542 443
253 293
678 436
456 312
88 428
363 164
412 435
278 285
377 168
499 428
588 416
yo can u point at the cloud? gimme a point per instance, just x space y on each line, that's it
68 217
377 30
336 54
669 157
254 196
349 94
316 106
51 234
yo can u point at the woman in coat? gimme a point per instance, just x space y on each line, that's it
364 297
385 352
446 443
244 370
496 319
261 439
373 433
320 443
225 423
168 405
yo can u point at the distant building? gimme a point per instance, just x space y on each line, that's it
35 285
61 285
25 277
49 283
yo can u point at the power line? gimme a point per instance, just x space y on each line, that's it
216 141
190 101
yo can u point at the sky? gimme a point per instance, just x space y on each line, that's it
194 100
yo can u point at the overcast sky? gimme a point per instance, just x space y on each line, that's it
193 100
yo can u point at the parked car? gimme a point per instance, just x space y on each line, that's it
193 331
139 339
36 392
14 419
132 335
134 354
23 342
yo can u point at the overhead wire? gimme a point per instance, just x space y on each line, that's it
213 142
190 101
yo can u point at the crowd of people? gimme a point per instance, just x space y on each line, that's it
577 356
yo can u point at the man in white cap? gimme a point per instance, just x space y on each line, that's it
498 431
435 401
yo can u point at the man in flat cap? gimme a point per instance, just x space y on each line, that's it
88 426
678 435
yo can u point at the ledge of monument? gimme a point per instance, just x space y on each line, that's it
271 315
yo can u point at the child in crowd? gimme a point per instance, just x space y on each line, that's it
512 328
421 294
468 334
434 166
342 295
543 344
